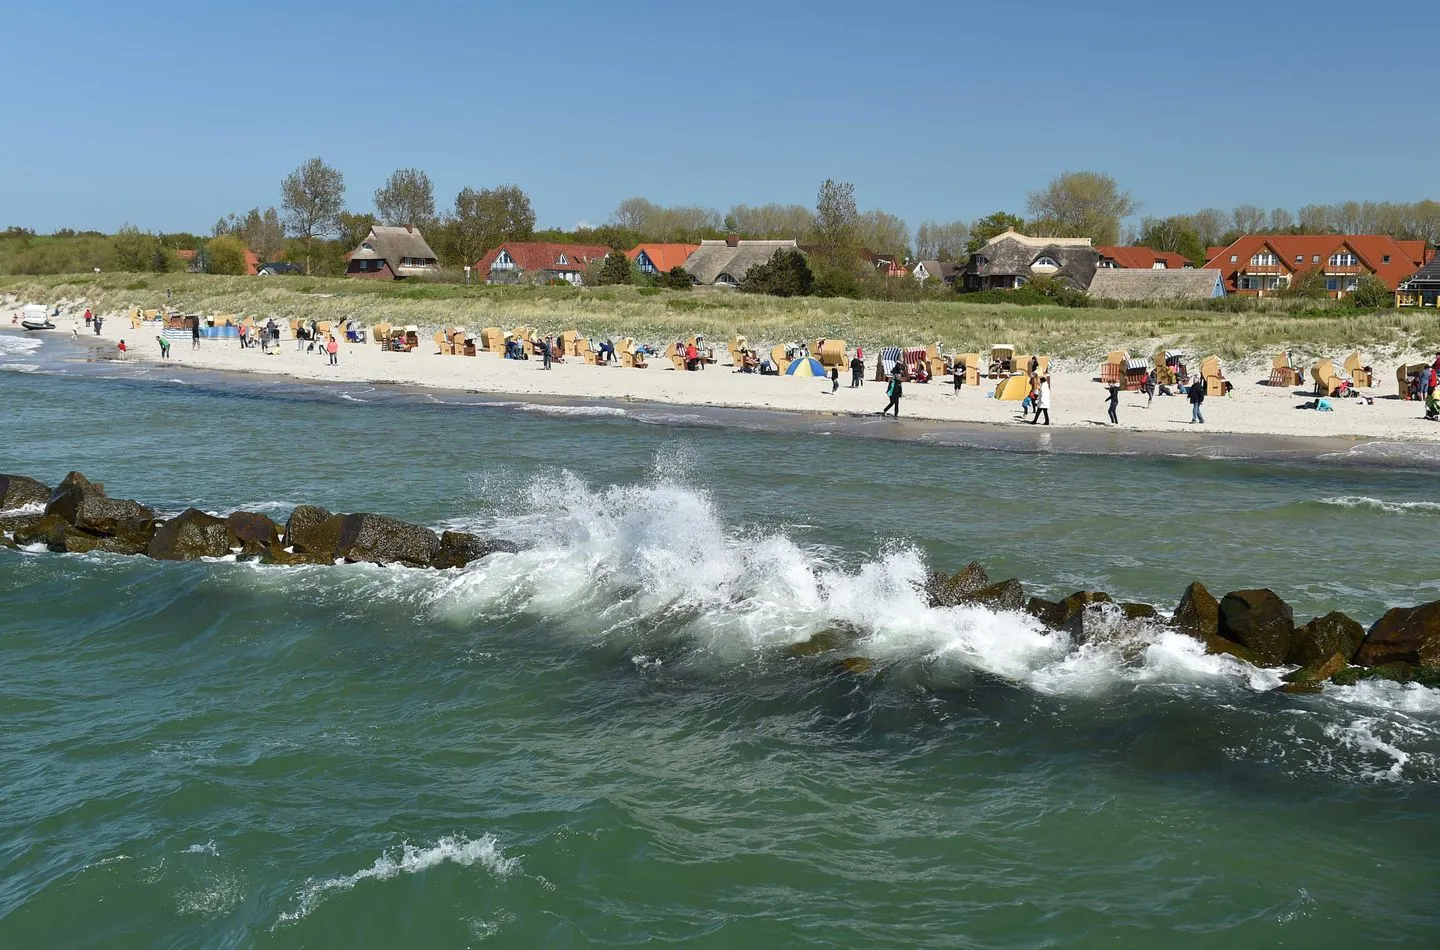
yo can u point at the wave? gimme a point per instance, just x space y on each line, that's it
20 367
17 345
1363 502
406 859
580 411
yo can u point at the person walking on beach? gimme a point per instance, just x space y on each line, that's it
546 345
195 333
1043 404
957 370
1149 388
1114 402
834 380
895 390
332 346
857 371
1196 394
164 347
89 316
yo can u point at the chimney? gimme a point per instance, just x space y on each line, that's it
732 239
410 228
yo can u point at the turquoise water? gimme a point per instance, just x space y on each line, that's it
606 740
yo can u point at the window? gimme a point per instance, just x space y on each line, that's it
981 260
1299 258
1233 258
367 246
1158 265
1385 259
1342 259
1046 262
1315 259
562 261
1332 283
1021 281
1264 259
1351 283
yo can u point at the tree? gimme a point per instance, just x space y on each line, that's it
991 226
262 232
677 278
836 219
1174 234
1307 285
225 255
313 197
883 233
488 217
1209 224
353 227
134 249
1082 204
1281 221
941 242
1248 219
786 274
406 198
1370 293
615 270
783 222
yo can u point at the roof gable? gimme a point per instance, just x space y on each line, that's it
545 255
663 257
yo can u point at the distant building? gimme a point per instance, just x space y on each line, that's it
195 261
660 258
392 253
1012 260
280 269
1422 289
1140 258
1156 284
946 272
541 261
1260 264
725 263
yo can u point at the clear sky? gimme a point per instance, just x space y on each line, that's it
169 115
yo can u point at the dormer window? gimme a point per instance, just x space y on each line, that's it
1264 259
1385 259
1342 259
1046 262
367 246
562 261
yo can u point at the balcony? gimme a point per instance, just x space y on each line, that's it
1263 269
1341 270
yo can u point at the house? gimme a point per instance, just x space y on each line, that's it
1140 257
1260 264
392 253
1156 284
660 258
1422 289
279 269
545 262
725 263
947 272
195 261
1011 259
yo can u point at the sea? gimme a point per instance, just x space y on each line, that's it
611 738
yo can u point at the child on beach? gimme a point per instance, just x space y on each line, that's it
834 379
164 347
332 346
122 346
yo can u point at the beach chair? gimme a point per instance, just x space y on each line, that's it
492 339
592 353
412 337
1327 380
779 355
831 353
1403 374
971 362
572 343
442 343
1112 370
1136 370
1213 376
737 349
1014 387
1356 369
885 363
1282 373
1004 355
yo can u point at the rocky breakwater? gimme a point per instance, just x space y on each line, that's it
1253 625
77 516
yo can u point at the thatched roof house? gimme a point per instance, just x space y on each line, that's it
389 253
726 262
1011 260
1191 283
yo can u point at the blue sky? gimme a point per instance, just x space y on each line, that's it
169 115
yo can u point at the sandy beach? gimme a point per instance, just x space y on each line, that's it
1252 409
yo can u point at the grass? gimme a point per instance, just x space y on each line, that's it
1078 335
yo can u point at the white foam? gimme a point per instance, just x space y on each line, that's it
579 411
1361 736
13 345
34 508
407 859
1379 504
206 848
20 367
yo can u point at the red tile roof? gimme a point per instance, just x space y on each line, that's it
544 255
1140 257
664 256
1388 259
252 261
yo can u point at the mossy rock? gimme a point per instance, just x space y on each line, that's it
1259 621
822 642
17 491
853 666
1317 672
952 590
1324 637
1394 672
1199 613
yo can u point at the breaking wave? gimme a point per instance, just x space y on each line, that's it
406 859
1365 503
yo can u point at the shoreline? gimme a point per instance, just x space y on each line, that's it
717 396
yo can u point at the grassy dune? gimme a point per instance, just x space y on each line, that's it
1070 334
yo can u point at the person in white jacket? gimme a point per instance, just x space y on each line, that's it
1044 404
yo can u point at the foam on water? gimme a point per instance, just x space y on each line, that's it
1366 503
577 411
406 859
13 345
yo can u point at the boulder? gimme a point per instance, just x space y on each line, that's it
10 523
6 543
60 536
1324 637
1403 635
311 529
189 536
1394 672
283 558
381 540
1317 672
1299 688
252 533
853 666
1006 595
17 491
458 548
1260 622
48 530
822 642
953 590
84 505
1133 611
1199 613
1067 614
